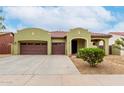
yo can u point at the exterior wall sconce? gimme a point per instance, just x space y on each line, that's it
79 32
32 33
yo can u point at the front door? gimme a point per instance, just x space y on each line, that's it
74 46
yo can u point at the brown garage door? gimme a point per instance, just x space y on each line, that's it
58 48
33 48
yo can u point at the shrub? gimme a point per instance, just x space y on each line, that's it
92 55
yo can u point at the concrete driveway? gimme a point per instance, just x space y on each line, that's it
48 70
37 65
23 69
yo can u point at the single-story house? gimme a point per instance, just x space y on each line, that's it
40 41
6 39
115 36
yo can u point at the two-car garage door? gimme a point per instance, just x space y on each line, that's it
33 48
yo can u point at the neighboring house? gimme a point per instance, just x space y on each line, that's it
39 41
115 36
6 40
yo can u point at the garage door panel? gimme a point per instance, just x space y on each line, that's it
33 48
58 48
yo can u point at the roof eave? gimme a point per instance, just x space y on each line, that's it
59 37
108 36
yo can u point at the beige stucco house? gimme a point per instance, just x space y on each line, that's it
40 41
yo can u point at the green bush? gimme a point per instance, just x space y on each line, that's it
92 55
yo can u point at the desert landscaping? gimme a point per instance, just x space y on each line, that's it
112 64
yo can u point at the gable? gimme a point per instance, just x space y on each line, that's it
32 34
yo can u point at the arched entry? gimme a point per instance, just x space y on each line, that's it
76 44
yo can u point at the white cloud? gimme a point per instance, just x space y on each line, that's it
92 18
10 29
119 27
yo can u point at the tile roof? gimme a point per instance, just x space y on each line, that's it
58 34
1 33
4 33
62 34
117 33
100 35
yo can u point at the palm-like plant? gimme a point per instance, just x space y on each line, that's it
119 43
2 26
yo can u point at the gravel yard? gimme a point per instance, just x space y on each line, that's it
112 64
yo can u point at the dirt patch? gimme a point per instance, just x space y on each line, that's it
112 64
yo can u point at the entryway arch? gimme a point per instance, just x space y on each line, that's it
77 43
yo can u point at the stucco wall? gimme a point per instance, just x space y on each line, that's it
81 43
78 33
31 34
116 51
122 52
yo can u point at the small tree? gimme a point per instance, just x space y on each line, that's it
2 26
91 55
119 43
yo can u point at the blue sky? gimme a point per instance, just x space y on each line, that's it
95 19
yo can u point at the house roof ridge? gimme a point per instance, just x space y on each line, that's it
4 33
117 33
58 31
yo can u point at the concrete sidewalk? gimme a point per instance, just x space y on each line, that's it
62 80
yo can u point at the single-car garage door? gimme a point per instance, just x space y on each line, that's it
58 48
33 48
